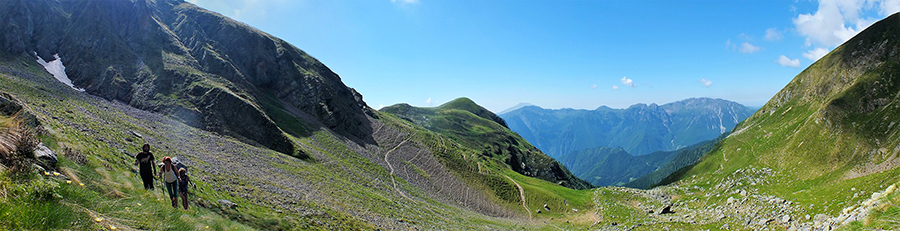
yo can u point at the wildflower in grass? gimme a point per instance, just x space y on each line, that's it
98 219
46 173
68 182
81 184
56 173
112 227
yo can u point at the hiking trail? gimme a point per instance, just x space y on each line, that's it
386 154
521 193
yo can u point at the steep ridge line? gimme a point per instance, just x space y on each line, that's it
394 182
521 193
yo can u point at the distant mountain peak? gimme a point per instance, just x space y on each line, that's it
513 108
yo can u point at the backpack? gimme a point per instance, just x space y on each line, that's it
177 163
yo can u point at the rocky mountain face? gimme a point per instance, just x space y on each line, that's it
173 57
639 129
478 129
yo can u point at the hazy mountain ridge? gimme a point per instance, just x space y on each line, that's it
639 129
603 166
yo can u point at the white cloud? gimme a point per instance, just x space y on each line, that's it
748 48
773 34
594 86
836 21
428 101
744 47
706 83
787 62
627 82
815 54
615 87
889 7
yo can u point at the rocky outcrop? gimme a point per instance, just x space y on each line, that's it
12 107
173 57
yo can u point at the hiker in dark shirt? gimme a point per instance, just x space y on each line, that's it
145 161
183 182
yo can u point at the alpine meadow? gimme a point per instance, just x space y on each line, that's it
187 115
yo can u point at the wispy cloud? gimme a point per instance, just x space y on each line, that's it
706 83
748 48
744 47
594 86
787 62
615 87
628 82
815 54
773 34
428 101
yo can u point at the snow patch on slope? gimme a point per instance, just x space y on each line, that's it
56 68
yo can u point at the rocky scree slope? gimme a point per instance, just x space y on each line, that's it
172 57
640 129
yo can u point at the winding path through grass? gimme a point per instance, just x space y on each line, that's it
521 193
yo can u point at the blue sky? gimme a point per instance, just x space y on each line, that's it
561 54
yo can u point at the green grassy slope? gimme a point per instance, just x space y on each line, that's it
476 128
479 150
336 187
831 134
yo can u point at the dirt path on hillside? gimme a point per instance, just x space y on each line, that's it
521 193
394 182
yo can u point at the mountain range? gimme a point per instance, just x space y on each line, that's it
639 129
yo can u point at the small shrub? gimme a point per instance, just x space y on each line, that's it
74 156
36 190
17 144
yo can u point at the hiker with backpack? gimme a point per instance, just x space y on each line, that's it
170 178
